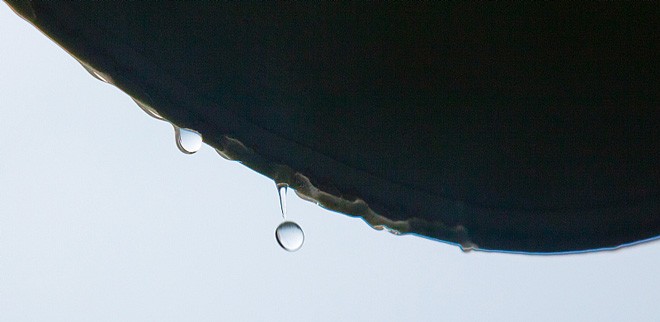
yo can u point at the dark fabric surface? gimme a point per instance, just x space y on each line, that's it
536 127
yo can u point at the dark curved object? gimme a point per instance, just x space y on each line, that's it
525 128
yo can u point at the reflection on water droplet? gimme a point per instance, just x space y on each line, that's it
281 191
187 140
94 73
290 236
467 246
394 232
149 110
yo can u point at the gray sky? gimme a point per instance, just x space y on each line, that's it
103 219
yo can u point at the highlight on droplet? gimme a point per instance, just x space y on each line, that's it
94 73
281 192
290 236
149 110
188 141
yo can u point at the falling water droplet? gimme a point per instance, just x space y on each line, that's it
281 191
290 236
149 110
187 140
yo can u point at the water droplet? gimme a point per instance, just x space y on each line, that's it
290 236
281 191
378 227
187 140
224 155
467 246
149 110
393 231
98 75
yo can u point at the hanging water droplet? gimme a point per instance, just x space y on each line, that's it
187 140
149 110
378 227
290 236
281 191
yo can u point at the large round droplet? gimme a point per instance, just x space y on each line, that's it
187 140
290 236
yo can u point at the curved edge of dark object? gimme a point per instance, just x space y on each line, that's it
337 186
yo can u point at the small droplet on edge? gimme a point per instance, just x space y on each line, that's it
290 236
224 155
94 73
149 110
187 140
393 231
467 247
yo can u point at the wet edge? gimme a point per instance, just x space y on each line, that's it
234 150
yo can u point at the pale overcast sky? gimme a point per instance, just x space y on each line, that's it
103 219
